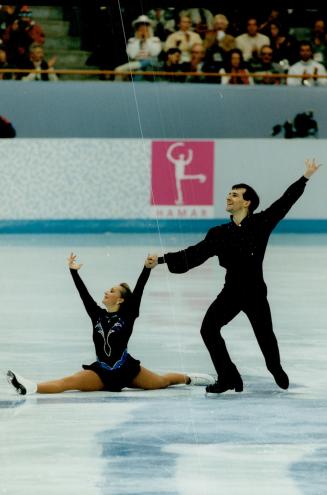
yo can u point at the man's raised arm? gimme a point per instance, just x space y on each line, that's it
186 259
281 207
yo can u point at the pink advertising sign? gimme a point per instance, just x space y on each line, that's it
182 175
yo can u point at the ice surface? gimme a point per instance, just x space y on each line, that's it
264 441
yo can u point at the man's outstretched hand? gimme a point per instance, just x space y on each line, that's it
311 168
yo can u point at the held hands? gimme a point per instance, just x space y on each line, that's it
73 265
311 168
151 261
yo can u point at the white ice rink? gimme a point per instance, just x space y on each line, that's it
264 441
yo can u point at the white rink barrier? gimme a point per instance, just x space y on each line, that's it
131 185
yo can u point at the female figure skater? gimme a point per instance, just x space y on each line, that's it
114 367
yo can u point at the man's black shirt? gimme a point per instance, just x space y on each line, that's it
239 248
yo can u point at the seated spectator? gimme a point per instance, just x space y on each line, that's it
171 63
6 128
198 64
201 20
319 42
278 15
265 67
34 30
7 17
285 46
217 42
307 67
20 35
142 49
251 42
163 22
37 62
4 64
143 46
183 39
236 66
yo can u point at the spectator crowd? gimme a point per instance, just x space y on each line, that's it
21 45
251 51
279 46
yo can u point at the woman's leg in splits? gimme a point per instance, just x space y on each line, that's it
89 381
148 380
85 381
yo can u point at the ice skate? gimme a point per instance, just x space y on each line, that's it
20 384
200 379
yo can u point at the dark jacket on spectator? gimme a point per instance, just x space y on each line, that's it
6 129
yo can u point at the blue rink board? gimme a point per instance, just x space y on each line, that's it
97 226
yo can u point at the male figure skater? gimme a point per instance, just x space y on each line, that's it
240 247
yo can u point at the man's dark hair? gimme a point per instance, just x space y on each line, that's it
249 195
305 43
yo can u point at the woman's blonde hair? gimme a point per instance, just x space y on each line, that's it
126 292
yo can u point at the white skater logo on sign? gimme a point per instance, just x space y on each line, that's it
182 177
180 164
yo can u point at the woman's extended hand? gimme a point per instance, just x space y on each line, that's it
151 261
73 265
